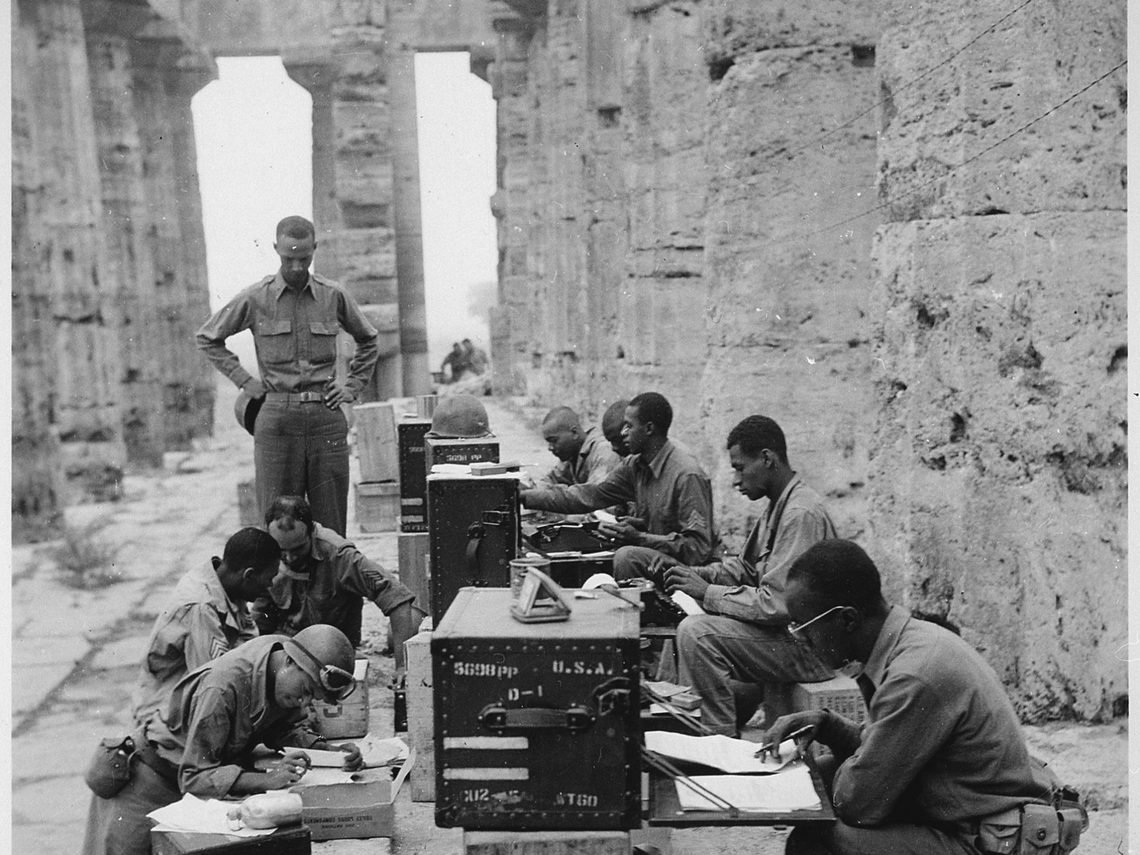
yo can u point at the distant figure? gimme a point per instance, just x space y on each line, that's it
454 365
475 358
300 439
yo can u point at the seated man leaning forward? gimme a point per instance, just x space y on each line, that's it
941 750
742 637
324 578
584 456
201 741
207 614
669 489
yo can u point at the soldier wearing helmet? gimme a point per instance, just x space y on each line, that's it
201 741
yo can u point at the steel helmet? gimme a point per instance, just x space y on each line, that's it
246 408
460 416
325 654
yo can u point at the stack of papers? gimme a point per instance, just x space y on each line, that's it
720 752
201 817
791 789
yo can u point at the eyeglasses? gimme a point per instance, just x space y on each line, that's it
337 683
795 629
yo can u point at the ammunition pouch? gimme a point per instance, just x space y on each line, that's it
1033 829
110 768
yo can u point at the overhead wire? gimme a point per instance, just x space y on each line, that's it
912 191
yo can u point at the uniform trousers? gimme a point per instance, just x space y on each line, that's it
301 449
119 826
843 839
713 648
632 562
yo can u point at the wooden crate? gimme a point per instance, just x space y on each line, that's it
546 843
376 447
421 717
412 549
248 512
378 506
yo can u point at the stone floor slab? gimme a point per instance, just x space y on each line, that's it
57 650
125 651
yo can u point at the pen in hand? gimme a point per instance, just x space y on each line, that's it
768 746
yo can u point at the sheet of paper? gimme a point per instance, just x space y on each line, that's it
720 752
790 789
605 516
324 775
688 605
659 709
374 751
201 816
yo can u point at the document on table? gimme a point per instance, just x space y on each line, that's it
203 816
791 789
688 605
721 752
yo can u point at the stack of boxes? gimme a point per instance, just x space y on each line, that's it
378 490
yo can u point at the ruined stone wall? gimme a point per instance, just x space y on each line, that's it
812 211
37 482
108 268
132 308
69 278
790 156
998 473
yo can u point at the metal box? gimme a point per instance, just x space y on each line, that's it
473 533
445 450
536 724
410 435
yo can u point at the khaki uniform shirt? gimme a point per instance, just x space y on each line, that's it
294 333
751 586
671 493
219 713
942 743
595 461
329 590
199 623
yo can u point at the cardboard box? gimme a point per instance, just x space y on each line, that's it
349 718
288 840
364 808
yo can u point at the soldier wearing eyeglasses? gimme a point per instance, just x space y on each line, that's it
941 753
201 742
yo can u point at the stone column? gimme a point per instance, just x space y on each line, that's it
364 183
999 465
789 152
162 103
73 257
317 75
191 72
130 267
37 473
512 320
408 221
